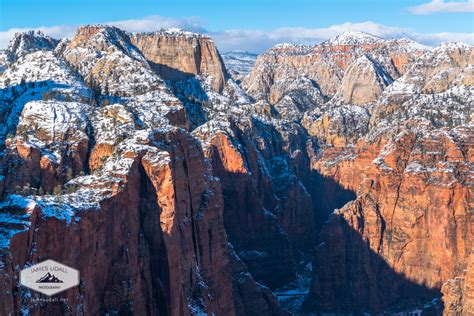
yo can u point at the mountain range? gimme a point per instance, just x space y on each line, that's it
329 178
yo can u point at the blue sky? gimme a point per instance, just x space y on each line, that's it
262 22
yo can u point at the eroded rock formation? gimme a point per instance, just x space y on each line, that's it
177 55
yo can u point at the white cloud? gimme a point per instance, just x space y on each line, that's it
155 22
59 31
441 6
436 38
257 40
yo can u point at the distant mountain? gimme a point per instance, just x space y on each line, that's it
239 63
354 38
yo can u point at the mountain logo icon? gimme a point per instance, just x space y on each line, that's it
49 278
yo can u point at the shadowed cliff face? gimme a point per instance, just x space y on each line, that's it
180 55
458 293
361 281
268 212
155 246
418 235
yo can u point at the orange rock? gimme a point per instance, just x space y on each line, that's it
157 245
99 154
422 227
176 57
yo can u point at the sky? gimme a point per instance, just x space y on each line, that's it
251 25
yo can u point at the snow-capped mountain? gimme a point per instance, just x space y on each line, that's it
354 38
239 63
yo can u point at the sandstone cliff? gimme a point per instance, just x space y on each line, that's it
325 63
458 293
175 258
134 195
177 55
363 82
411 219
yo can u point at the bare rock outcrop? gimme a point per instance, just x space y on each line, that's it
177 55
269 212
109 62
27 42
412 212
458 293
183 194
325 63
175 259
363 82
51 146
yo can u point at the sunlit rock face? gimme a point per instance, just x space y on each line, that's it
177 55
326 64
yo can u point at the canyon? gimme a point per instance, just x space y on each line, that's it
328 178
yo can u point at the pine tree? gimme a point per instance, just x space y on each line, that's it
57 190
105 102
69 174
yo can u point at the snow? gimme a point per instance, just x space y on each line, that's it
173 31
412 45
27 42
55 118
354 38
15 217
239 61
284 45
42 66
293 295
32 77
109 52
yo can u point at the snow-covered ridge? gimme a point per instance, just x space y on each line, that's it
30 41
173 32
290 49
411 44
454 45
239 61
284 45
354 38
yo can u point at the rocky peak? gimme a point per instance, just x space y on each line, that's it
104 38
363 82
177 55
203 216
354 38
27 42
109 62
326 63
288 49
457 54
